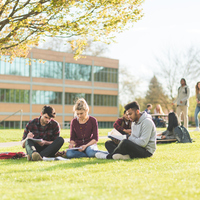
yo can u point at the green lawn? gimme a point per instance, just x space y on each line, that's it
13 135
172 173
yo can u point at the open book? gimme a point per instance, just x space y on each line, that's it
36 140
74 148
52 158
114 134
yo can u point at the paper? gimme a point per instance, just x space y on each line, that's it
75 148
54 158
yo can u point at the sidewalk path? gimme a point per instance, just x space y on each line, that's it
11 144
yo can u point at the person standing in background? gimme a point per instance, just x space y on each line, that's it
182 101
197 110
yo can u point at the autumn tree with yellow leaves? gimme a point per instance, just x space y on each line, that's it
24 23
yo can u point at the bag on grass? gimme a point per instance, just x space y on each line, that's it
182 135
8 155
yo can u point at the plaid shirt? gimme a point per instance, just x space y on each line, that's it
118 125
49 132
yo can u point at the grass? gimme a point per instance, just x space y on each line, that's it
172 173
14 135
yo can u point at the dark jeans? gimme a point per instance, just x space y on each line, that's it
133 150
110 146
46 150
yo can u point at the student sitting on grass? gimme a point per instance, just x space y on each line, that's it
142 141
123 125
44 128
83 132
172 123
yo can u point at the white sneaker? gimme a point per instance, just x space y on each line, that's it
197 129
101 155
118 156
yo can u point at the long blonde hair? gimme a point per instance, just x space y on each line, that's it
160 111
81 104
197 88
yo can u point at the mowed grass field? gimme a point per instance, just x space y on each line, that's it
172 173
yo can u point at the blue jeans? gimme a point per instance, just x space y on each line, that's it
89 152
197 110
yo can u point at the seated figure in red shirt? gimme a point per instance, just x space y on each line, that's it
83 132
123 125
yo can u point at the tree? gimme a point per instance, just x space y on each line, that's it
175 65
63 45
155 95
127 86
23 23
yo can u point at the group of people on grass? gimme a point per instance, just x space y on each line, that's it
138 127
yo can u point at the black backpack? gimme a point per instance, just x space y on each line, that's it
182 135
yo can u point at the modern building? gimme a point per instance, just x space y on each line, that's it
56 79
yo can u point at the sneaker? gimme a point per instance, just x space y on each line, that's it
197 129
28 158
101 155
121 157
36 156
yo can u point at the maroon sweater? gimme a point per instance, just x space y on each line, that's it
120 125
84 133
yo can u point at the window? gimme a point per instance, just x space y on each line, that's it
19 66
78 72
47 69
14 96
46 97
105 100
104 74
70 98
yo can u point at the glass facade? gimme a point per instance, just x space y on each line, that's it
53 69
104 74
14 96
105 124
78 72
70 98
47 69
105 100
19 66
46 97
12 124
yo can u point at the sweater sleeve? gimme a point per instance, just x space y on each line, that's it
95 131
72 131
143 139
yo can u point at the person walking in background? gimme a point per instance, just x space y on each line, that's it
83 132
182 101
197 110
148 109
46 129
123 125
172 123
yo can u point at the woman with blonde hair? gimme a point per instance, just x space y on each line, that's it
159 122
83 132
197 110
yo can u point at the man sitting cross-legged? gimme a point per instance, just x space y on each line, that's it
142 141
44 128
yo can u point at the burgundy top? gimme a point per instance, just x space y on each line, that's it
120 124
81 134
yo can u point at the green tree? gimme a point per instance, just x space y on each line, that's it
24 22
155 95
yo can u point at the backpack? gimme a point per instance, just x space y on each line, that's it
182 135
8 155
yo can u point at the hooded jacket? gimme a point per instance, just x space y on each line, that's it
183 95
143 133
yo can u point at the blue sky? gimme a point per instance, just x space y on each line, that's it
167 24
